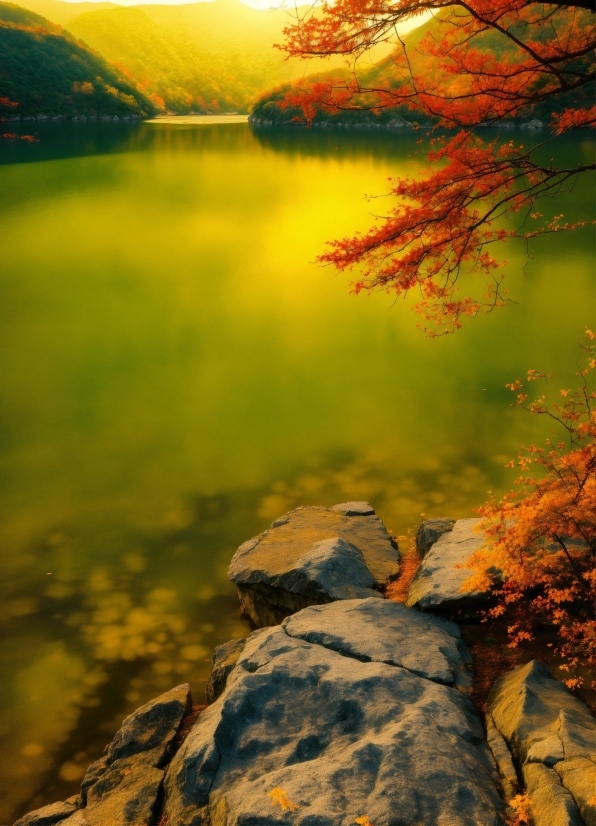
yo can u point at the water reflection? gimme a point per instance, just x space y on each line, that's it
175 374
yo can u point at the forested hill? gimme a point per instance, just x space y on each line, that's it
201 57
45 71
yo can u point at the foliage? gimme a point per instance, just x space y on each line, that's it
275 107
279 797
7 105
520 804
46 71
541 538
476 62
355 97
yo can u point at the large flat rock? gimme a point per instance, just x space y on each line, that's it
552 736
373 630
442 572
328 713
311 556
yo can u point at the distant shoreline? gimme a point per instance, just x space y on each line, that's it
396 124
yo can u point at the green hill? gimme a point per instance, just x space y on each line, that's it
200 57
45 71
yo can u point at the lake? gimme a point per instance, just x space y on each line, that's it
176 372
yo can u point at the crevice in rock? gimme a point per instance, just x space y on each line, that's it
186 726
558 733
509 775
364 659
159 819
569 792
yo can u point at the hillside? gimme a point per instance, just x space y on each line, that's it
45 71
199 57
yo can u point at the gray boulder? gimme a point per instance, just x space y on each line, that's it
442 572
552 736
373 630
147 734
127 794
430 531
313 556
123 788
320 708
150 730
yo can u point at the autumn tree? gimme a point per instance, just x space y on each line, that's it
6 103
541 538
480 62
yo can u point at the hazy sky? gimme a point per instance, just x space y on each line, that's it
255 4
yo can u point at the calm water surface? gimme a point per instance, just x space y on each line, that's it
175 373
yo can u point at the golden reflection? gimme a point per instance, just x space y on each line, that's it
400 494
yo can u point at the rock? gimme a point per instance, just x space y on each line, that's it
225 658
539 718
552 805
579 776
47 815
354 509
127 794
92 775
430 531
123 788
552 736
387 632
437 583
149 731
317 707
312 556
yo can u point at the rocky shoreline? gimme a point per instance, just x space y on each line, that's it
395 123
343 706
43 117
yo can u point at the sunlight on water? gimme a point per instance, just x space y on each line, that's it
198 120
176 373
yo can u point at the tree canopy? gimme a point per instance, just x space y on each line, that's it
479 62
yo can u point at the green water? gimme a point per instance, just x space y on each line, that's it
175 373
